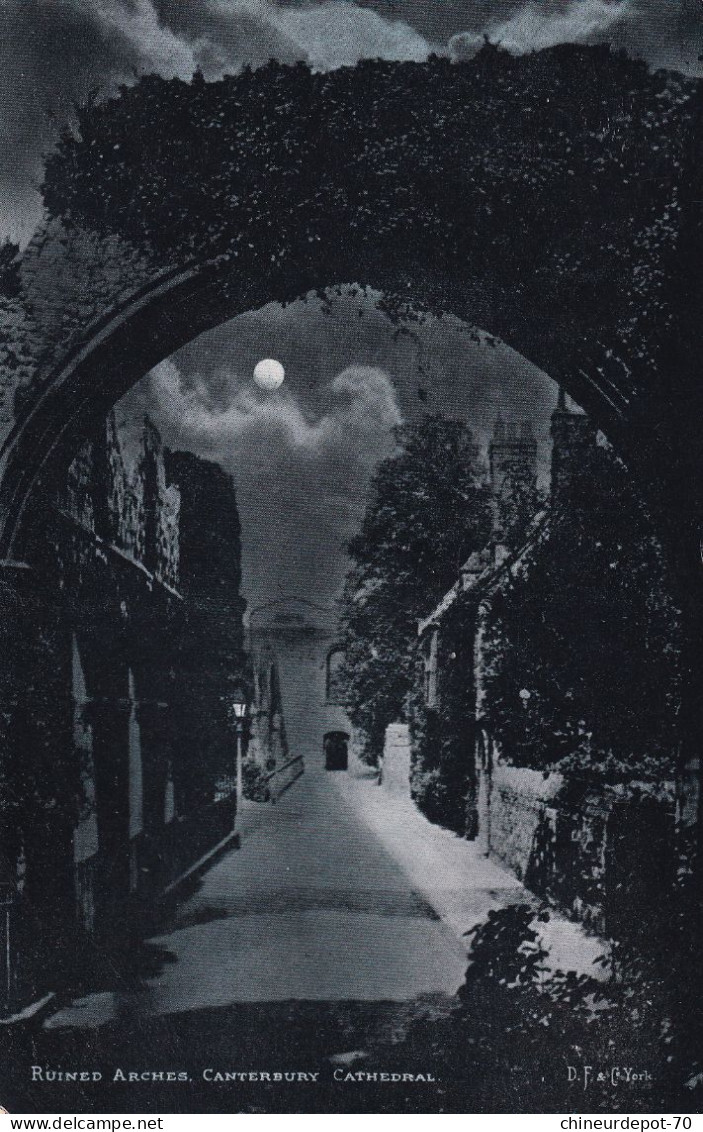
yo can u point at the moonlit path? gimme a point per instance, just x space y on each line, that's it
312 907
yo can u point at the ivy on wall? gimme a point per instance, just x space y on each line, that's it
442 776
286 172
581 659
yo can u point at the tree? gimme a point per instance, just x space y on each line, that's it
428 510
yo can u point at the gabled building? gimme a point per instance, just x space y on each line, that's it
571 841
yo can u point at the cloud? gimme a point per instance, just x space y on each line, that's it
301 473
337 34
365 409
464 45
190 412
326 35
537 26
663 32
53 54
361 412
137 33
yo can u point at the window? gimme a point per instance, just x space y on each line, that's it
334 686
431 671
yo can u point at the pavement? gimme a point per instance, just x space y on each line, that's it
313 906
340 892
314 947
455 877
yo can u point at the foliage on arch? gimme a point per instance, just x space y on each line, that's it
495 169
15 354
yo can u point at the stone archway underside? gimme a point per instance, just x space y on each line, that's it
544 199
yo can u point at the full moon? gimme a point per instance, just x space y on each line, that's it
269 374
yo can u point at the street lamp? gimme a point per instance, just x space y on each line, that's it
239 707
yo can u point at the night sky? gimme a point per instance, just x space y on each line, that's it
302 457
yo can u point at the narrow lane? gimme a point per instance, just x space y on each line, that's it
312 907
298 953
304 956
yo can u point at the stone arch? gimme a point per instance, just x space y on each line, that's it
419 180
476 190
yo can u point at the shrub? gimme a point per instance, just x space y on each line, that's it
256 788
518 1038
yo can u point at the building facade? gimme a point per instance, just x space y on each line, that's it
302 637
116 742
602 852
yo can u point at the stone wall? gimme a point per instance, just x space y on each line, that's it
68 279
116 489
16 360
605 858
71 277
521 801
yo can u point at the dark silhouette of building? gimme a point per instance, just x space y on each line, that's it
573 841
573 440
210 657
512 457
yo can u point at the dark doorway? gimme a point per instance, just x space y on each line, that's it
336 748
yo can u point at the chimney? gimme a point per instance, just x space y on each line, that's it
573 439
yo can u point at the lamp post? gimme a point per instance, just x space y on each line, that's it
239 707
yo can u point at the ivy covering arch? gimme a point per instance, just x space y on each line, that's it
543 198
